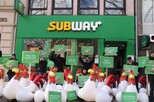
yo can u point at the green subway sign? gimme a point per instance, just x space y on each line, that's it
19 7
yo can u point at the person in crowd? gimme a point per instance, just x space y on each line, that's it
151 80
42 65
132 62
10 73
86 63
59 61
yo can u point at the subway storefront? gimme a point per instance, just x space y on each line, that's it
96 31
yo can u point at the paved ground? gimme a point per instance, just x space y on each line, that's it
3 99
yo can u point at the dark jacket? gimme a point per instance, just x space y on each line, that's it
86 65
59 62
10 73
43 65
151 76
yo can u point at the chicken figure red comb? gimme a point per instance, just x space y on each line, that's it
142 80
38 80
92 74
52 69
69 77
95 67
24 71
1 73
131 78
52 77
123 75
100 76
66 71
17 73
110 81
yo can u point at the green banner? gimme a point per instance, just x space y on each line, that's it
60 77
71 60
19 7
30 57
59 49
149 65
71 95
111 51
11 64
106 62
27 64
87 50
44 53
4 59
142 61
82 80
129 97
50 63
133 67
54 96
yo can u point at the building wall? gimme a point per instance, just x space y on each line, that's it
7 26
148 26
129 7
144 28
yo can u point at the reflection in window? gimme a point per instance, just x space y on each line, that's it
148 11
62 7
114 7
38 7
88 7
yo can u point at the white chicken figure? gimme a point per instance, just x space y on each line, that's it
122 86
13 85
39 94
104 94
100 80
24 81
51 85
69 85
123 82
142 96
27 93
89 90
1 81
131 87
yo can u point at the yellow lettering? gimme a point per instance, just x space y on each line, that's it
52 26
67 26
59 26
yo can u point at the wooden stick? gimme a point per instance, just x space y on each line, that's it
147 82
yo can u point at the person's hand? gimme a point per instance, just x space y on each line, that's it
152 70
137 73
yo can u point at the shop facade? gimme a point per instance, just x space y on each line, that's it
106 31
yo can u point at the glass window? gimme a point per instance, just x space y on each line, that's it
114 7
38 7
148 11
62 7
88 7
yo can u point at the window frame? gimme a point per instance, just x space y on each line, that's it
145 22
62 8
97 8
33 9
112 8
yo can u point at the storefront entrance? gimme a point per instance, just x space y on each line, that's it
119 60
